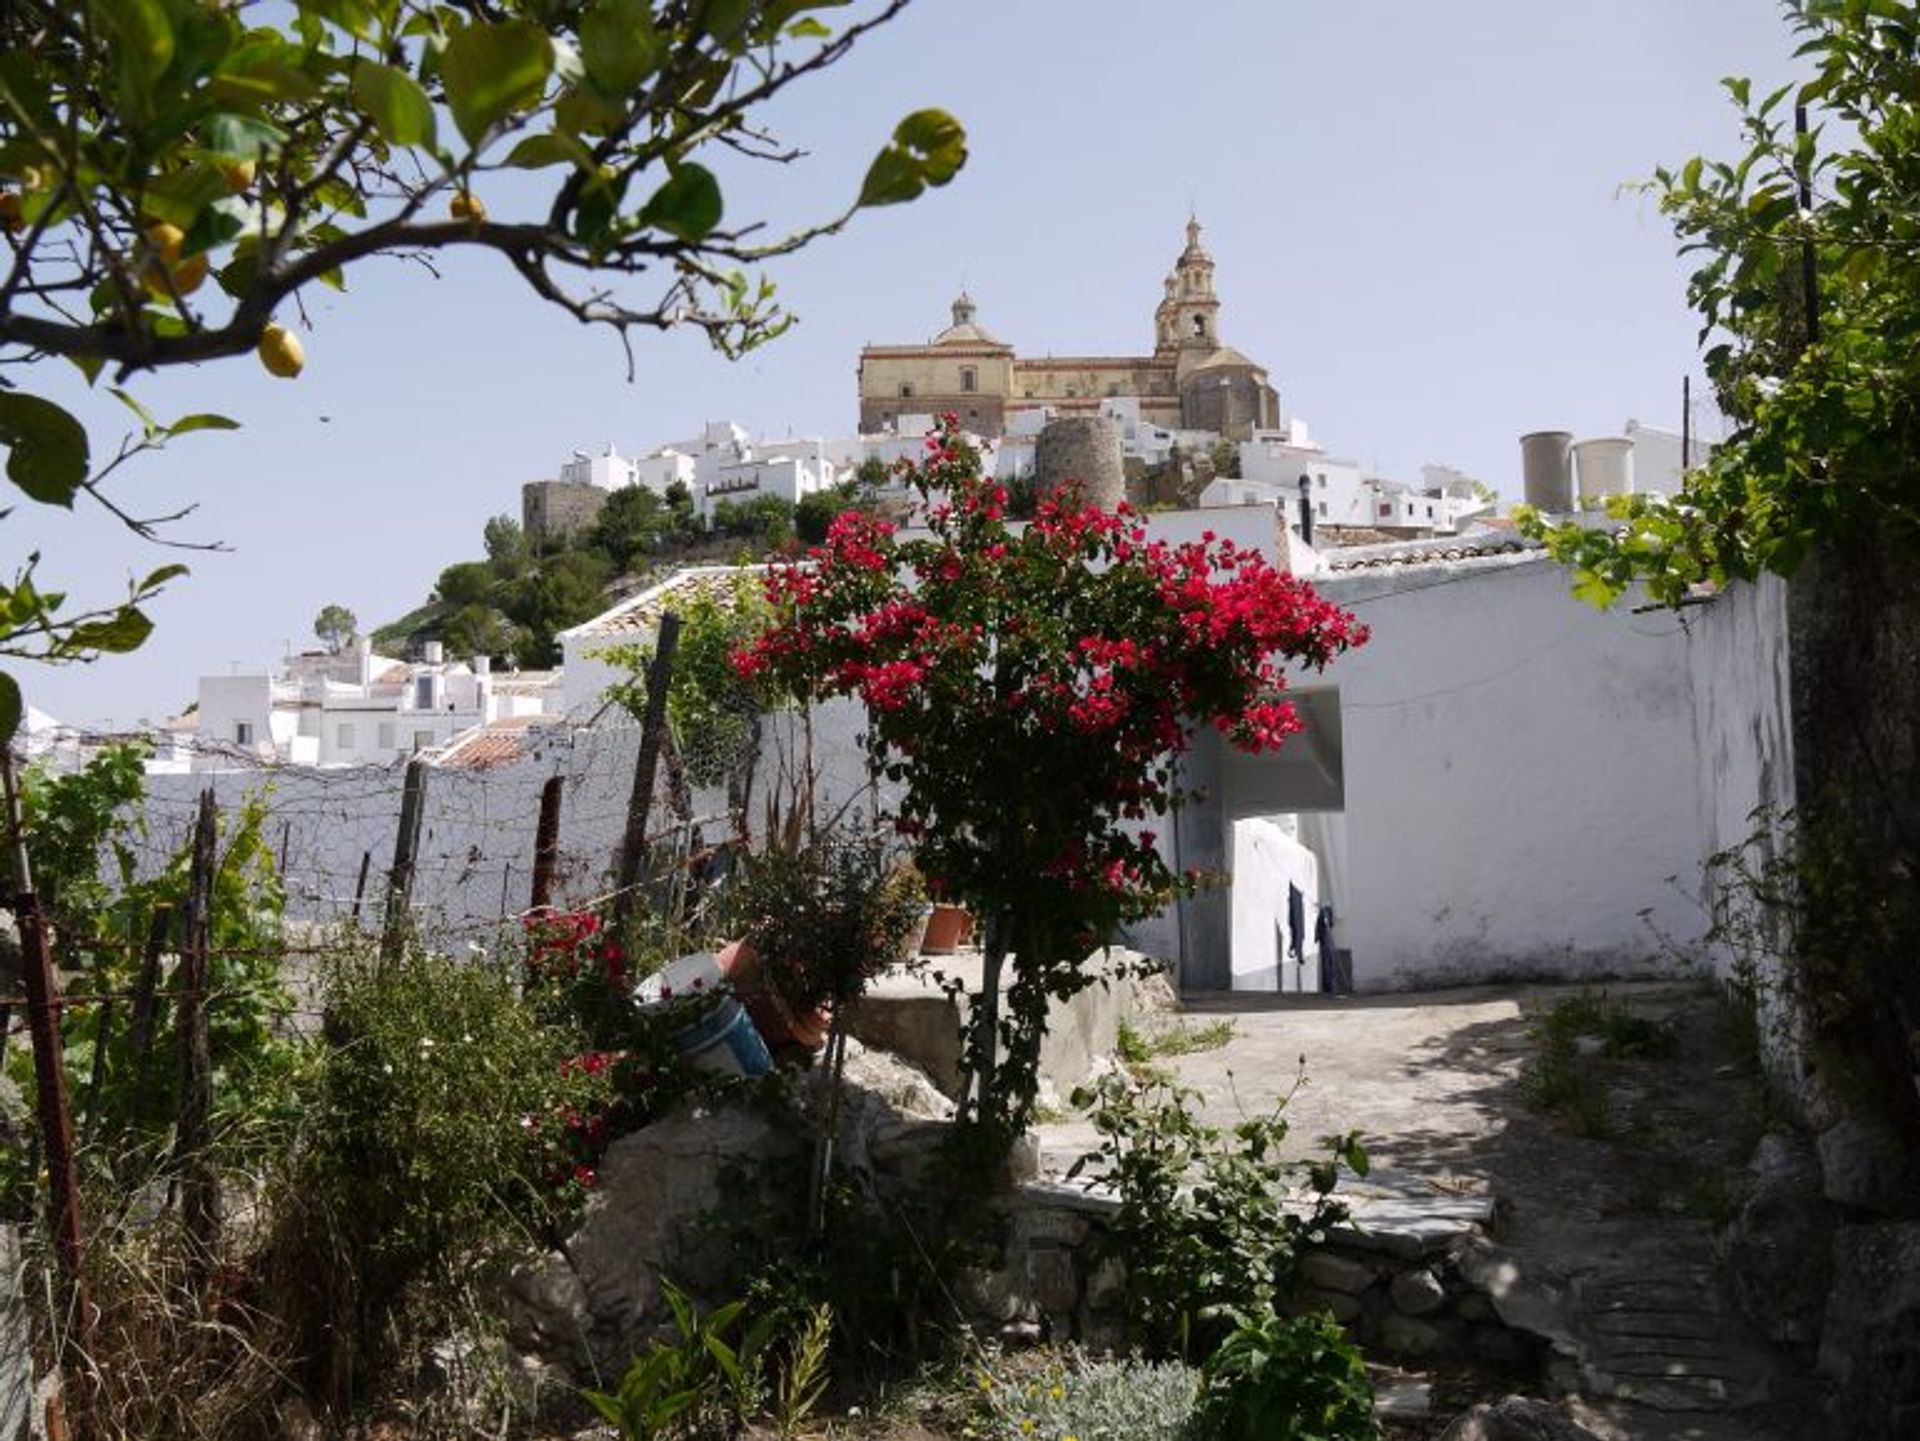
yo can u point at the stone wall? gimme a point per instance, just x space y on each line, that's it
1417 1294
554 509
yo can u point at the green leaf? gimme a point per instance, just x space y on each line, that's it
492 70
157 578
47 448
395 102
187 424
928 148
240 137
140 47
147 422
892 179
12 708
808 29
551 148
126 630
619 45
687 207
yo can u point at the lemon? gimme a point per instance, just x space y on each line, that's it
281 352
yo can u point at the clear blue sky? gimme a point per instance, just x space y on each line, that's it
1416 210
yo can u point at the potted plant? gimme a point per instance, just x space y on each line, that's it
817 922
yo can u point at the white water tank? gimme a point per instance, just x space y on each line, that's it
1546 465
1605 467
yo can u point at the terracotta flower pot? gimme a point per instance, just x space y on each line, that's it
782 1027
948 929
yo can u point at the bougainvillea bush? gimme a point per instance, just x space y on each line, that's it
1030 689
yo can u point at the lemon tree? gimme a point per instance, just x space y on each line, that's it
174 172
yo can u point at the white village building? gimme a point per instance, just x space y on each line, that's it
356 708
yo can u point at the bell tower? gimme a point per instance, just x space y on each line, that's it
1188 317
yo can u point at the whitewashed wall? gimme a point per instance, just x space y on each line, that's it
1521 788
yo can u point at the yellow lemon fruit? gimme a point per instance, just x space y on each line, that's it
465 205
281 352
165 241
239 174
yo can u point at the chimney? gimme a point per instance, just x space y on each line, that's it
1306 510
433 653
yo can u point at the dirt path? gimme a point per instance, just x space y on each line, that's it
1606 1206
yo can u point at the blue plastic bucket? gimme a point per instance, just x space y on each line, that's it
725 1041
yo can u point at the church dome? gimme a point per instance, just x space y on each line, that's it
965 330
1225 358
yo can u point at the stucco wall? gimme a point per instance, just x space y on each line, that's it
1521 789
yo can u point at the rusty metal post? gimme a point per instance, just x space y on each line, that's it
54 1114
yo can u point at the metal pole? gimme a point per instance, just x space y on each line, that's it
50 1084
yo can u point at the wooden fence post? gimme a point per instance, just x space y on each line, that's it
546 841
406 845
646 766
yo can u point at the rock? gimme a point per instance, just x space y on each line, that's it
652 1215
1103 1334
1107 1286
1867 1167
993 1297
891 1120
1022 1335
1033 1225
1402 1398
1052 1280
1870 1346
1517 1418
1473 1307
1501 1346
1417 1292
1779 1244
1328 1272
1342 1307
1405 1337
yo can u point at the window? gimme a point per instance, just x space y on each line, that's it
422 740
1429 512
1321 480
1200 326
906 390
1323 507
243 733
386 735
1385 510
423 692
969 379
1113 387
344 736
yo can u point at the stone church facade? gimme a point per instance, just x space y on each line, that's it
1191 381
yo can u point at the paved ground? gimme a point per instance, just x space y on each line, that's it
1615 1231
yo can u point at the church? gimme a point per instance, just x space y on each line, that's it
1191 381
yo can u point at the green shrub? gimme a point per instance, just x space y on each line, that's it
436 1145
1279 1378
1201 1224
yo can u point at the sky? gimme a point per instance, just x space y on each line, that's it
1422 216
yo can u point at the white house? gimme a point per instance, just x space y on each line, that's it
356 708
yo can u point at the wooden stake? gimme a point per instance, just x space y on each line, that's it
546 841
653 727
406 844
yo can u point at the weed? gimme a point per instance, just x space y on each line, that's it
1069 1395
1141 1048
